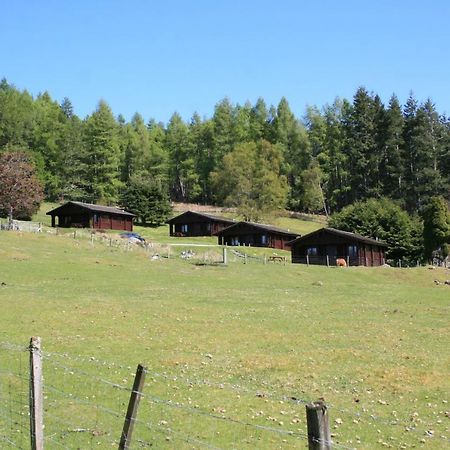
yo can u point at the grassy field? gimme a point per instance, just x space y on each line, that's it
232 352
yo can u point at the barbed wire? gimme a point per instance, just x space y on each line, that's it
52 358
8 441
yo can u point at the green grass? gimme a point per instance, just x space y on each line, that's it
235 341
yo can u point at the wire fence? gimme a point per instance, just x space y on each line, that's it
85 400
193 253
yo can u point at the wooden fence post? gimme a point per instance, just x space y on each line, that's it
75 234
348 261
307 260
225 256
328 261
319 437
130 418
35 395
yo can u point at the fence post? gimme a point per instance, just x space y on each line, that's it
225 256
319 437
328 261
133 404
75 234
348 261
35 395
307 260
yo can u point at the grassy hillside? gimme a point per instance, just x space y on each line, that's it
228 348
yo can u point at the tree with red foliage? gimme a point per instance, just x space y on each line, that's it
21 192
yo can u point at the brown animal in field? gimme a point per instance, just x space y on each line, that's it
341 262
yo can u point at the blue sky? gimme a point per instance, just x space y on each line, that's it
157 57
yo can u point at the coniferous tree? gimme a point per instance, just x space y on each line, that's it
202 136
391 164
72 162
102 156
360 146
421 147
333 160
224 138
184 182
147 199
259 121
293 138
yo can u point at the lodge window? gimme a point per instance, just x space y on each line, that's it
352 250
312 251
234 240
95 218
184 228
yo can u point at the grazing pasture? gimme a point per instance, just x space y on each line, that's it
232 352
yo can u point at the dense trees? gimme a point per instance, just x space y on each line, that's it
383 219
255 156
250 179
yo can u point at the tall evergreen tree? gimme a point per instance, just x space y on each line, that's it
102 156
360 146
259 121
184 183
391 164
293 138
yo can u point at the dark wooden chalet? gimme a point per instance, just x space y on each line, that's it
255 235
86 215
192 223
325 246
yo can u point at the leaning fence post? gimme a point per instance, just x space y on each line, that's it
35 395
319 437
133 404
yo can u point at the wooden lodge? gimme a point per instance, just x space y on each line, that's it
327 245
86 215
255 235
192 223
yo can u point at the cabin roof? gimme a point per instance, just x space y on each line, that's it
340 233
259 226
91 207
202 215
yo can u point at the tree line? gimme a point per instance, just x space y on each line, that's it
253 154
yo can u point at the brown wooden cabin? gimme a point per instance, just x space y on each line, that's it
255 235
325 246
86 215
192 223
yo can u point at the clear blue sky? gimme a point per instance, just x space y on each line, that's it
157 57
